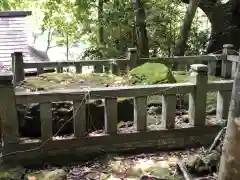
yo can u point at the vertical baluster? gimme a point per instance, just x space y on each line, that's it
114 68
212 65
140 113
18 67
223 103
198 98
106 68
46 121
40 70
169 111
111 116
132 57
226 72
78 67
79 119
8 112
98 68
59 69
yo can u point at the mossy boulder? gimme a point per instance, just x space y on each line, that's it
151 73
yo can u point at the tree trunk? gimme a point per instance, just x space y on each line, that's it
141 31
224 18
230 160
49 39
185 28
100 19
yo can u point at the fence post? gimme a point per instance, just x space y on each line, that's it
78 67
106 68
17 67
40 70
8 112
98 68
114 68
198 98
226 71
132 57
59 69
223 103
212 65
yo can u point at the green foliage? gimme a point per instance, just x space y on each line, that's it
4 5
79 19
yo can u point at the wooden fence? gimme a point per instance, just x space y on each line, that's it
116 65
197 134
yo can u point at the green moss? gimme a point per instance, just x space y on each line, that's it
151 73
51 81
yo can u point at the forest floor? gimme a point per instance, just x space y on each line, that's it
161 165
145 166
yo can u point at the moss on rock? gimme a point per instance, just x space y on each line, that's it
151 73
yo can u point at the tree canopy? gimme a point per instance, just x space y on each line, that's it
112 21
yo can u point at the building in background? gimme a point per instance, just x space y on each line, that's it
14 38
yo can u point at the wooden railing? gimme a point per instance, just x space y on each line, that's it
197 134
227 59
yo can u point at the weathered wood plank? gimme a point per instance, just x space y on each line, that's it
140 113
168 111
46 121
111 115
223 103
79 118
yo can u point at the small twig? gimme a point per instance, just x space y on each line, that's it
184 170
216 139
